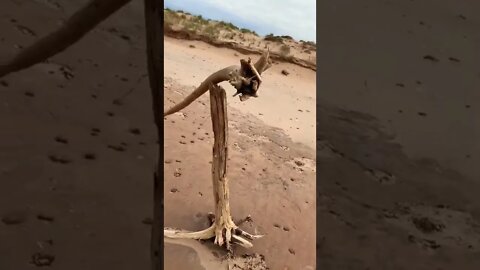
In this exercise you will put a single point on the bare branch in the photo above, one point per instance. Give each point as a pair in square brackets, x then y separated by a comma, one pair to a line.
[245, 78]
[79, 24]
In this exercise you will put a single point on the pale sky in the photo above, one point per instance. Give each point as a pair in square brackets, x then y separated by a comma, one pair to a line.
[295, 18]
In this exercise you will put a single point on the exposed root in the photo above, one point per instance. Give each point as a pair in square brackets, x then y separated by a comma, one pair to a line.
[224, 235]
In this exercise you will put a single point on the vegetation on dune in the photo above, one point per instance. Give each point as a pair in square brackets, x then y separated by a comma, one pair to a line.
[272, 37]
[185, 25]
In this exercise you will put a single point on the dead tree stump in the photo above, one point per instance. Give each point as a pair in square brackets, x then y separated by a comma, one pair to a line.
[223, 229]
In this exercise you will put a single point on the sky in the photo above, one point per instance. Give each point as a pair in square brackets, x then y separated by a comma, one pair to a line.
[295, 18]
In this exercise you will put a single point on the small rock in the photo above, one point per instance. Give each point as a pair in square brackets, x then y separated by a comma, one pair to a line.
[291, 250]
[284, 72]
[173, 190]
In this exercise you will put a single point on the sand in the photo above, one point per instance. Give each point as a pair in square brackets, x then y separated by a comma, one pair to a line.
[401, 191]
[78, 150]
[396, 153]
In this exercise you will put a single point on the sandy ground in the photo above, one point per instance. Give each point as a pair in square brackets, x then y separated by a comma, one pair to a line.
[78, 151]
[287, 102]
[401, 190]
[77, 145]
[272, 179]
[272, 162]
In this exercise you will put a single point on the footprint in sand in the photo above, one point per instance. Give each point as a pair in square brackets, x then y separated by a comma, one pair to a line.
[429, 244]
[90, 156]
[42, 259]
[59, 159]
[117, 148]
[381, 177]
[94, 131]
[61, 139]
[26, 31]
[46, 218]
[14, 218]
[135, 131]
[430, 58]
[52, 68]
[117, 102]
[453, 59]
[29, 94]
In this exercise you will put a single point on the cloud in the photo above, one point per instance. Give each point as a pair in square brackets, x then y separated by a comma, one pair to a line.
[296, 18]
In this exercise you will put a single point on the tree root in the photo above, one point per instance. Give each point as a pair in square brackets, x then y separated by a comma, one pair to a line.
[224, 235]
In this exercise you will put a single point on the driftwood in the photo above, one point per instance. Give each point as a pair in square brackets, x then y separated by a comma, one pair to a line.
[223, 228]
[245, 78]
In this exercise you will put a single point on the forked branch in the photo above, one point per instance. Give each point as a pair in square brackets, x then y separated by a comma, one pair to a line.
[246, 78]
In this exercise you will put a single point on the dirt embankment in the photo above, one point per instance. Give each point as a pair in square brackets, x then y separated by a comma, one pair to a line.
[226, 35]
